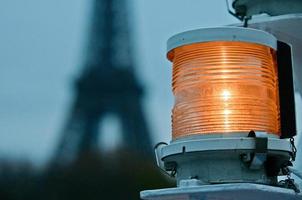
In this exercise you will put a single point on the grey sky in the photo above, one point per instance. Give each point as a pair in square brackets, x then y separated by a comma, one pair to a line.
[42, 47]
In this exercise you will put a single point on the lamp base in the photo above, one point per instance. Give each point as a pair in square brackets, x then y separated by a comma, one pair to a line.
[225, 160]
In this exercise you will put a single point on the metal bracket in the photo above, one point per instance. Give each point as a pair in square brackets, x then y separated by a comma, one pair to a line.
[260, 154]
[233, 13]
[240, 16]
[167, 168]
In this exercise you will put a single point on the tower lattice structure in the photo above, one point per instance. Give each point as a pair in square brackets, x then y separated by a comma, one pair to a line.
[106, 85]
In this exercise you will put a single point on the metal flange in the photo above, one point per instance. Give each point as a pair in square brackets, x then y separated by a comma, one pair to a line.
[242, 191]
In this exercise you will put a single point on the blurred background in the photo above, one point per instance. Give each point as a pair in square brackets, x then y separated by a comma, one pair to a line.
[85, 93]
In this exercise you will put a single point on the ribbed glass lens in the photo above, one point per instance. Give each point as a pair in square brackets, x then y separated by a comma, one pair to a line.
[224, 87]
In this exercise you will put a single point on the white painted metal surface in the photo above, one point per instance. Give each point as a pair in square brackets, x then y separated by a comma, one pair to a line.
[222, 34]
[242, 191]
[218, 144]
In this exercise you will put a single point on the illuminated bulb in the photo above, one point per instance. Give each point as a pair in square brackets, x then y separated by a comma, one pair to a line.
[226, 95]
[226, 112]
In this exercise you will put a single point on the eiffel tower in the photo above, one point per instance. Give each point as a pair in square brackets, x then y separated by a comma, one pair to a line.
[107, 85]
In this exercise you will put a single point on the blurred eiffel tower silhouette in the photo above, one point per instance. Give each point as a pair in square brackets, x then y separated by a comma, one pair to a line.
[107, 85]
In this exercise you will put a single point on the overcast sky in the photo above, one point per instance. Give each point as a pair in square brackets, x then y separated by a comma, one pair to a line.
[42, 48]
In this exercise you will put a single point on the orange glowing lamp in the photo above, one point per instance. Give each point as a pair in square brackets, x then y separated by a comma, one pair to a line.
[232, 113]
[224, 84]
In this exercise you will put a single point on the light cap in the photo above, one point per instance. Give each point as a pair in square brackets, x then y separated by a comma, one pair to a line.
[222, 34]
